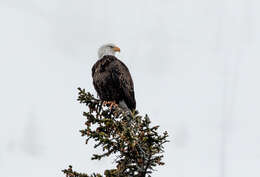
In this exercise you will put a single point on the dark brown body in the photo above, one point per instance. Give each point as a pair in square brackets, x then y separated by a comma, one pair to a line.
[113, 82]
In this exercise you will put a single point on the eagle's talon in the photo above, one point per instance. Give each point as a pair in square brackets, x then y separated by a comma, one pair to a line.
[110, 104]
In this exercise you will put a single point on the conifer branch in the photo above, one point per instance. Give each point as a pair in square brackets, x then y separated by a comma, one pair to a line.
[138, 146]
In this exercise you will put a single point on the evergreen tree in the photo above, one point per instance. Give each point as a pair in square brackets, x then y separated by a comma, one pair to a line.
[138, 146]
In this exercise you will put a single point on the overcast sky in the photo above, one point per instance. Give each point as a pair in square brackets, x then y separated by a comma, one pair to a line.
[195, 66]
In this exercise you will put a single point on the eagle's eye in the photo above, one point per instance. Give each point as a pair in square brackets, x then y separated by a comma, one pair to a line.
[111, 46]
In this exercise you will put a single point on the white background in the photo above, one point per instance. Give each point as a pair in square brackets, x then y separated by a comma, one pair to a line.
[195, 65]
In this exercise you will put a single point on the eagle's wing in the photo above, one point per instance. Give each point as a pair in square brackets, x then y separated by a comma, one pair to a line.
[123, 79]
[95, 81]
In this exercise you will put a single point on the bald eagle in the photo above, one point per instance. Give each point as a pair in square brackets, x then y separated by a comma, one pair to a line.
[112, 79]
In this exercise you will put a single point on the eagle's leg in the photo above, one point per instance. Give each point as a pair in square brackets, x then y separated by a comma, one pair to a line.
[111, 104]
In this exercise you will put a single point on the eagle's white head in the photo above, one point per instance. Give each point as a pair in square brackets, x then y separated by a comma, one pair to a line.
[107, 49]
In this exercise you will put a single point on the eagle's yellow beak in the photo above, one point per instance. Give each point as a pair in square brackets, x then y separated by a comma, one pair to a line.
[116, 49]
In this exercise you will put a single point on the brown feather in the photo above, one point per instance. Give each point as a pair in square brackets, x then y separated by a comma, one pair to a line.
[113, 82]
